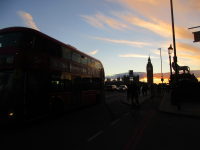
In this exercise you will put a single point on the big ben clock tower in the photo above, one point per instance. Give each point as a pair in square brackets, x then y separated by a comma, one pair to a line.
[149, 72]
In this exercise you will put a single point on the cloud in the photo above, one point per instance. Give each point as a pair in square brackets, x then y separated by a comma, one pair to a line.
[155, 25]
[155, 15]
[99, 21]
[188, 55]
[161, 8]
[93, 21]
[116, 24]
[184, 47]
[28, 20]
[135, 55]
[163, 52]
[137, 44]
[94, 52]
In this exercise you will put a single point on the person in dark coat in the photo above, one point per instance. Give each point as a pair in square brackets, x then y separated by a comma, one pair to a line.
[128, 90]
[134, 93]
[143, 89]
[152, 90]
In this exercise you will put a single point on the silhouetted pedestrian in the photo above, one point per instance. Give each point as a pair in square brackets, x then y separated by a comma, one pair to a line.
[152, 89]
[134, 93]
[143, 89]
[128, 90]
[138, 90]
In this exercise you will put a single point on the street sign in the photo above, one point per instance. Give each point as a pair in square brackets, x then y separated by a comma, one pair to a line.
[196, 36]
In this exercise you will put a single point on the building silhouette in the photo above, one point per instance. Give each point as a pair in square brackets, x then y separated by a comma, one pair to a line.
[123, 80]
[149, 69]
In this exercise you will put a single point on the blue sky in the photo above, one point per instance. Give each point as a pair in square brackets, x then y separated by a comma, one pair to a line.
[120, 33]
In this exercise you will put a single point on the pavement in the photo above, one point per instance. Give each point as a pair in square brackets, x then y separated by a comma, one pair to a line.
[191, 109]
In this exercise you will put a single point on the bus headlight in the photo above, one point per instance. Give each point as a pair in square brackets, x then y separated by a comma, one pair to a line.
[10, 113]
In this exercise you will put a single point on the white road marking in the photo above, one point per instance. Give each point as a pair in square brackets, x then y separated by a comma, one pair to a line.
[94, 136]
[114, 122]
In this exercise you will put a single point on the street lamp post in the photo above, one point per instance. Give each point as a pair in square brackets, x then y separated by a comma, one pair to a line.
[161, 65]
[175, 57]
[174, 42]
[170, 49]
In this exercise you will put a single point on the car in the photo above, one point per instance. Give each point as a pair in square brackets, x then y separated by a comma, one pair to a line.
[122, 88]
[111, 88]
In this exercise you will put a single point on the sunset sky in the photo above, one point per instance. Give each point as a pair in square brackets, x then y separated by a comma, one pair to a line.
[120, 33]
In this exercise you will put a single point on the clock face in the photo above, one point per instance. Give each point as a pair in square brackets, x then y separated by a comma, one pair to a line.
[149, 68]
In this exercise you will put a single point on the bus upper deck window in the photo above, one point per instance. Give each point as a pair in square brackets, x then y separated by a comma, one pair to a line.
[39, 43]
[9, 39]
[84, 60]
[27, 40]
[76, 57]
[66, 53]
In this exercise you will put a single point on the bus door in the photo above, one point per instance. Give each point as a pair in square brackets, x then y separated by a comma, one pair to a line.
[36, 94]
[76, 91]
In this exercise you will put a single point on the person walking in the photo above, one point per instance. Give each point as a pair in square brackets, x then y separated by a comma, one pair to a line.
[128, 90]
[134, 93]
[152, 89]
[143, 88]
[138, 90]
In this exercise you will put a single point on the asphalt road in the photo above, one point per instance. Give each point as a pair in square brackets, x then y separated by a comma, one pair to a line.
[109, 127]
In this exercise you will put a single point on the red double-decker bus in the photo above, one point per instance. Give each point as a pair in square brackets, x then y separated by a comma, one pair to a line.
[42, 76]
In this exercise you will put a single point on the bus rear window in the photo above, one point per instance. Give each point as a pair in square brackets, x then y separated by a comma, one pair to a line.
[9, 39]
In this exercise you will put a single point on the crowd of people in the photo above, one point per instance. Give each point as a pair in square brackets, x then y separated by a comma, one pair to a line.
[145, 89]
[135, 91]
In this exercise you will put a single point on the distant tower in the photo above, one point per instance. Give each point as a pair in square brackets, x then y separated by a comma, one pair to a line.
[149, 72]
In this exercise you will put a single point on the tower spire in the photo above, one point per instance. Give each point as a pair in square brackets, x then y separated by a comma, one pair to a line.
[149, 59]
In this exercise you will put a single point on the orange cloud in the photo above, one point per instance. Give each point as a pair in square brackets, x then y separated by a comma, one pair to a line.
[28, 20]
[111, 22]
[155, 25]
[158, 14]
[94, 52]
[161, 9]
[99, 20]
[138, 44]
[187, 54]
[187, 48]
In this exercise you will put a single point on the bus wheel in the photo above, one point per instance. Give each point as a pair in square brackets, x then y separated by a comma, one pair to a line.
[57, 108]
